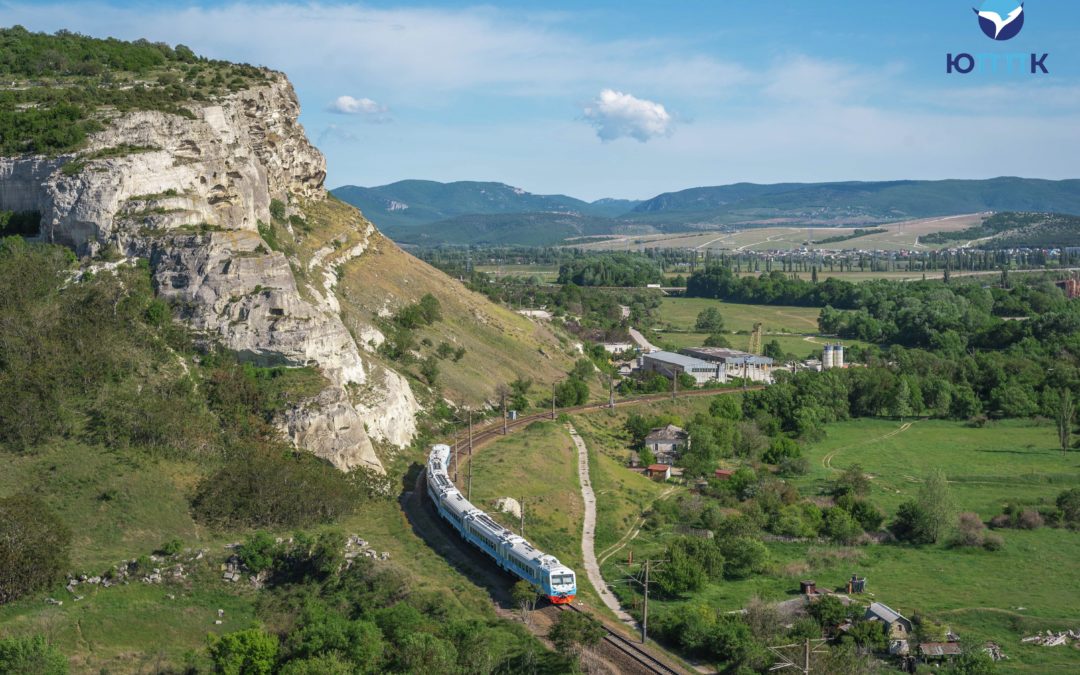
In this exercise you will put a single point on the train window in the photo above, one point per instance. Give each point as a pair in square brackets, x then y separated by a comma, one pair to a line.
[562, 579]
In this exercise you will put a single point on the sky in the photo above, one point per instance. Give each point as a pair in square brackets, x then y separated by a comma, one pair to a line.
[631, 99]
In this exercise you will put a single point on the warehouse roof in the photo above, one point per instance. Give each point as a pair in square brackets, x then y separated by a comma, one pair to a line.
[725, 355]
[678, 360]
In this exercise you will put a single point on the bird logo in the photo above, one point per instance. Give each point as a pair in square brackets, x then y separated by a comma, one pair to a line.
[1001, 19]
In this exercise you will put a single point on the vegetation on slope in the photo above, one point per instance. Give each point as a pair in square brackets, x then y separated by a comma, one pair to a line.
[66, 85]
[1017, 230]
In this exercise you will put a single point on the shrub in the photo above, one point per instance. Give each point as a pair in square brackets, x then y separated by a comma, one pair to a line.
[913, 524]
[1030, 519]
[171, 547]
[839, 526]
[780, 449]
[794, 466]
[274, 487]
[852, 481]
[34, 545]
[970, 530]
[246, 652]
[31, 655]
[1069, 503]
[993, 542]
[257, 553]
[277, 209]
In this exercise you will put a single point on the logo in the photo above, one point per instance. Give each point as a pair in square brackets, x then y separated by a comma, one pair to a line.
[1001, 19]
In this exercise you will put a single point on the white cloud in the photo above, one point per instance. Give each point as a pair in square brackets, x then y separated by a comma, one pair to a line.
[369, 110]
[618, 115]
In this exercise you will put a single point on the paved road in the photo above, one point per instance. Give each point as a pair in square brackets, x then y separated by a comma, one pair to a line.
[588, 532]
[638, 338]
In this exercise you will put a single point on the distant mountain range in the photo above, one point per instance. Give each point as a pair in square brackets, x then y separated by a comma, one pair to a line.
[432, 213]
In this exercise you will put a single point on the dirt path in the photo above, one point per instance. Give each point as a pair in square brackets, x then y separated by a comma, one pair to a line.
[826, 461]
[631, 533]
[588, 532]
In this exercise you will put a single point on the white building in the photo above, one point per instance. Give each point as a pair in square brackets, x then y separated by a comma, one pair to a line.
[734, 364]
[670, 364]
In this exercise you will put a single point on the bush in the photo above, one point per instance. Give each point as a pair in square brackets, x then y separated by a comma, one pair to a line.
[970, 531]
[709, 320]
[794, 466]
[1069, 504]
[1030, 519]
[171, 547]
[780, 449]
[32, 656]
[852, 481]
[246, 652]
[34, 545]
[839, 526]
[257, 553]
[273, 488]
[913, 524]
[993, 542]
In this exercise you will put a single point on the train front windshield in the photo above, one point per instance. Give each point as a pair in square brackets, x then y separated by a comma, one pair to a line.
[562, 580]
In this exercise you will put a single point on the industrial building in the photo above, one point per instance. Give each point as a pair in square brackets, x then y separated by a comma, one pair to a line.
[833, 357]
[734, 364]
[670, 364]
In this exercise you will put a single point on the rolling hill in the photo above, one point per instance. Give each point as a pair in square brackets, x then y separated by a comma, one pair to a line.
[411, 203]
[430, 213]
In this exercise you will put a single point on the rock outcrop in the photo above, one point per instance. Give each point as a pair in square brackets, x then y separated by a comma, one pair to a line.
[189, 195]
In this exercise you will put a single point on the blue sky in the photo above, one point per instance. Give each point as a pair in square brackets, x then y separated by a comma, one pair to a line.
[630, 99]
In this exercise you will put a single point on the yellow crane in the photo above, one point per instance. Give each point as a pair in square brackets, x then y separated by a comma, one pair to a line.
[755, 339]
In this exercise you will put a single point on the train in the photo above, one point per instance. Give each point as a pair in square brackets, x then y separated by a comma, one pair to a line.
[513, 553]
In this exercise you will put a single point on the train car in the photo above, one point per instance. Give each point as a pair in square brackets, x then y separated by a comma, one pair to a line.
[514, 554]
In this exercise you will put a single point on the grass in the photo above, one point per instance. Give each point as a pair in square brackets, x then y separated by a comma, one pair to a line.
[499, 345]
[681, 313]
[546, 273]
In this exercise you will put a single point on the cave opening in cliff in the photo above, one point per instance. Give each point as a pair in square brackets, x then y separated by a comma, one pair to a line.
[21, 223]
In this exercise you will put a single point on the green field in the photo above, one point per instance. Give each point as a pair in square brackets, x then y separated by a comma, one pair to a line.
[547, 273]
[681, 313]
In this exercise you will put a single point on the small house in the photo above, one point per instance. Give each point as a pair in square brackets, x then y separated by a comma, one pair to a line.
[659, 472]
[666, 443]
[897, 627]
[724, 474]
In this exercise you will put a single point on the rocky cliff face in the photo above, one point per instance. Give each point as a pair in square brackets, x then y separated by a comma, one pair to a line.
[189, 195]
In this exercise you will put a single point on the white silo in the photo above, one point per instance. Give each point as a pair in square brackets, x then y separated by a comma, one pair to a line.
[838, 356]
[827, 357]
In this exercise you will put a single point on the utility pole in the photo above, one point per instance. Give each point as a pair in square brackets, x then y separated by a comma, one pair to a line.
[522, 517]
[645, 606]
[552, 400]
[504, 414]
[469, 495]
[456, 462]
[611, 392]
[807, 650]
[674, 384]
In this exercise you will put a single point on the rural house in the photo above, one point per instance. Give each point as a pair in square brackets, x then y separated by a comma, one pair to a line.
[666, 443]
[659, 472]
[897, 627]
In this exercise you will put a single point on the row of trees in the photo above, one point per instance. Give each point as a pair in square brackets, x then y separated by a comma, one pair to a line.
[616, 269]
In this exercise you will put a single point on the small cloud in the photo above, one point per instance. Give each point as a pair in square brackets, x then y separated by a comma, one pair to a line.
[617, 115]
[333, 132]
[365, 108]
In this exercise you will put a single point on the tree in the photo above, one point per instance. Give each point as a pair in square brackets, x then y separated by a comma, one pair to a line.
[718, 340]
[1066, 412]
[853, 481]
[870, 634]
[781, 448]
[913, 524]
[839, 526]
[425, 653]
[31, 655]
[646, 456]
[34, 545]
[429, 368]
[245, 652]
[709, 320]
[936, 498]
[524, 595]
[573, 632]
[1069, 503]
[743, 556]
[829, 612]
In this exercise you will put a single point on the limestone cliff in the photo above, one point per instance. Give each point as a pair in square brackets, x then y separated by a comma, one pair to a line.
[189, 195]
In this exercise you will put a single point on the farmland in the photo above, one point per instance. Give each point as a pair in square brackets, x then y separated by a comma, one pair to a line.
[898, 236]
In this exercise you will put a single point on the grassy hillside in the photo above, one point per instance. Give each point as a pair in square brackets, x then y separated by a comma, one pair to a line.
[1017, 230]
[157, 457]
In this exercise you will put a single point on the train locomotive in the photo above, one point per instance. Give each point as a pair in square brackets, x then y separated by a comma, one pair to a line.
[512, 553]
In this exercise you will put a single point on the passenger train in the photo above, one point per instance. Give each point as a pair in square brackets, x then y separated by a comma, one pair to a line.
[512, 553]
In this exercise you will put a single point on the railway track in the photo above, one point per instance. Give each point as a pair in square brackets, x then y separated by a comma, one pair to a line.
[645, 661]
[492, 430]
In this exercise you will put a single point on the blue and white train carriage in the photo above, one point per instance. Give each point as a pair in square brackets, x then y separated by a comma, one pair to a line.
[550, 577]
